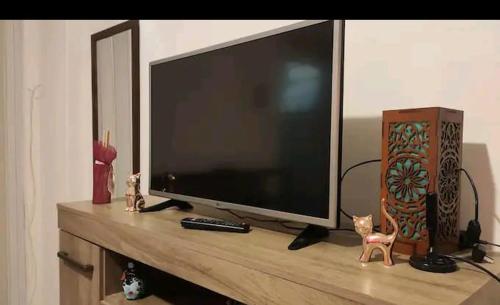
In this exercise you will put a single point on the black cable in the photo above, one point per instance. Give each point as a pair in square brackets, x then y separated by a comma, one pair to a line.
[283, 223]
[473, 264]
[250, 217]
[302, 228]
[356, 165]
[343, 229]
[345, 214]
[476, 206]
[476, 196]
[484, 242]
[342, 178]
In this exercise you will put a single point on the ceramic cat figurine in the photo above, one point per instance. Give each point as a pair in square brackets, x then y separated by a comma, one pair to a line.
[373, 240]
[135, 201]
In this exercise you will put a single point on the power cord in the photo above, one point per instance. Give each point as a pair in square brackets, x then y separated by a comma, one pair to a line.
[252, 218]
[476, 196]
[283, 223]
[471, 237]
[484, 242]
[356, 165]
[376, 227]
[342, 179]
[473, 264]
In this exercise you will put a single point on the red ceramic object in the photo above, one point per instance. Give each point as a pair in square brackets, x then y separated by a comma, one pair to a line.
[103, 172]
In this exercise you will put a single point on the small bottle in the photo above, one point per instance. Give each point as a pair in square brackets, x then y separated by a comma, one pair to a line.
[133, 286]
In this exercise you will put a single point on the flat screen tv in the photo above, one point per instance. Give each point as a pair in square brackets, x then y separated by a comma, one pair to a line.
[252, 124]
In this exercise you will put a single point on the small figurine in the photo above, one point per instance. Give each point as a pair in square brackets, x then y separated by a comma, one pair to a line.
[371, 241]
[133, 287]
[135, 201]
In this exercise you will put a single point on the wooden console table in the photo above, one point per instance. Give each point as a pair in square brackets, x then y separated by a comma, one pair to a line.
[254, 268]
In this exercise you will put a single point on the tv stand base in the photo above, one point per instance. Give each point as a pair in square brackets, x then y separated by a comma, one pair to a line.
[311, 235]
[181, 205]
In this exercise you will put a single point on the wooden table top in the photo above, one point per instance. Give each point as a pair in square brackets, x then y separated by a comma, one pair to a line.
[331, 267]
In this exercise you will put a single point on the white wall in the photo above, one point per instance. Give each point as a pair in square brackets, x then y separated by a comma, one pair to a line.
[388, 64]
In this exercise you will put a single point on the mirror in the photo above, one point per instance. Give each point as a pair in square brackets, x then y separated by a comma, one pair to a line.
[115, 96]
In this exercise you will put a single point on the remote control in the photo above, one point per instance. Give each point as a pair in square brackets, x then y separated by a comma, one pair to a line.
[214, 225]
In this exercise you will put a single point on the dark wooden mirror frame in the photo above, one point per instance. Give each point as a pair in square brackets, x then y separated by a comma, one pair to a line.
[133, 26]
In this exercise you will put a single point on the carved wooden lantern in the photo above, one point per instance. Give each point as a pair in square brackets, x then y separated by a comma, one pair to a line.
[422, 152]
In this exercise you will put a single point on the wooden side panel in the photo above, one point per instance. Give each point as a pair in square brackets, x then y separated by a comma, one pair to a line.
[112, 268]
[450, 133]
[78, 287]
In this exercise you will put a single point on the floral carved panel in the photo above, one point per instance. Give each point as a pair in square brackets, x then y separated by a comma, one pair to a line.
[407, 178]
[449, 180]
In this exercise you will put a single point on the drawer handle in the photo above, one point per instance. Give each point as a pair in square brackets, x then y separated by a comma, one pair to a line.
[65, 257]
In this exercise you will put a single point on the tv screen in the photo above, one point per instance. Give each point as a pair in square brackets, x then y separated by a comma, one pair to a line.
[248, 125]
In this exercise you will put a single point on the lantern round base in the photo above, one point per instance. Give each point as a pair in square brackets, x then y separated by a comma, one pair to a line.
[433, 263]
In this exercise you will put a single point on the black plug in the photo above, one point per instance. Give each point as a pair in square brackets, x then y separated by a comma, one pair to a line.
[470, 237]
[478, 253]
